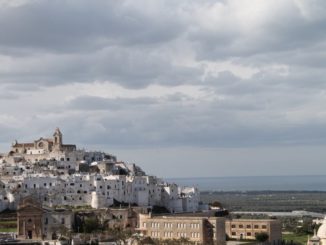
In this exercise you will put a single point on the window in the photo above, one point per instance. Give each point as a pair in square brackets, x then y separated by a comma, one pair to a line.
[248, 226]
[256, 226]
[240, 226]
[248, 233]
[264, 227]
[62, 221]
[46, 221]
[233, 233]
[232, 226]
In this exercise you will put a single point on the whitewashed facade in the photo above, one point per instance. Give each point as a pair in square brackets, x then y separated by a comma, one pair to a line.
[61, 175]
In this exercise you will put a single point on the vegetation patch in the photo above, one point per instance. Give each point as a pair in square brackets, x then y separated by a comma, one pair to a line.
[295, 238]
[8, 222]
[314, 201]
[8, 229]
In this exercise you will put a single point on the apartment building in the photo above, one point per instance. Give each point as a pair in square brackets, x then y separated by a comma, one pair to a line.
[246, 229]
[202, 228]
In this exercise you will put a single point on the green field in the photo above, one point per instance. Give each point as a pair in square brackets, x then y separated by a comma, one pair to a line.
[268, 200]
[298, 238]
[11, 222]
[8, 229]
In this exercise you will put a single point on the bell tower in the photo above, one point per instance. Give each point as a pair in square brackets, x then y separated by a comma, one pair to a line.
[57, 139]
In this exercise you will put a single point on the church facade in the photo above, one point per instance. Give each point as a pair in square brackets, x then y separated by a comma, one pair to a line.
[29, 219]
[35, 222]
[42, 145]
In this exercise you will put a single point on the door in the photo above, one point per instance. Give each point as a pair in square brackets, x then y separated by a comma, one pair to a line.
[29, 234]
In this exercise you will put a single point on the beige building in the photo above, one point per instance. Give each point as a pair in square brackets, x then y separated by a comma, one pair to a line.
[57, 223]
[123, 218]
[29, 219]
[248, 228]
[202, 228]
[37, 223]
[42, 146]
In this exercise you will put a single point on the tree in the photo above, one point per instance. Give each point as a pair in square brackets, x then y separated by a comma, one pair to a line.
[262, 237]
[121, 235]
[91, 224]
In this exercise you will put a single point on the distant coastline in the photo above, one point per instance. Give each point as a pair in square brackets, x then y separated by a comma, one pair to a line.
[255, 183]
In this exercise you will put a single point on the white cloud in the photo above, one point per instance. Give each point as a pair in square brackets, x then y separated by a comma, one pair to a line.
[166, 73]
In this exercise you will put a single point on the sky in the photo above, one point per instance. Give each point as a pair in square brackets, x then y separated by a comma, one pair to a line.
[183, 88]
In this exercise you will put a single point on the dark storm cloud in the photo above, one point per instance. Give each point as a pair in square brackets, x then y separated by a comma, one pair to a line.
[140, 67]
[128, 66]
[59, 42]
[173, 124]
[84, 26]
[53, 45]
[97, 103]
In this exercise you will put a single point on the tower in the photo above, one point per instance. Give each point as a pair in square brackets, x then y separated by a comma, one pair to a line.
[57, 139]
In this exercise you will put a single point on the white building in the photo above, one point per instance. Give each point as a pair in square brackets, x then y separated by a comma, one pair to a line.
[60, 175]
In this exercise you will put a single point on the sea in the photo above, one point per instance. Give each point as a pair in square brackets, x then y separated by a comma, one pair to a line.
[255, 183]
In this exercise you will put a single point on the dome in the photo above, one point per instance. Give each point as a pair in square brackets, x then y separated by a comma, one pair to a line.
[322, 230]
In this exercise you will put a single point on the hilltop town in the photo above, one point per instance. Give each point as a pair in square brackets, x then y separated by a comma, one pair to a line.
[59, 174]
[57, 192]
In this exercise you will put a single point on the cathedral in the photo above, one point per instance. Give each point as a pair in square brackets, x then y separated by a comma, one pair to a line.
[42, 145]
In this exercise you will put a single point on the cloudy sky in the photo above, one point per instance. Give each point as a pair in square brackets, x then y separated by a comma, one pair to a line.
[183, 88]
